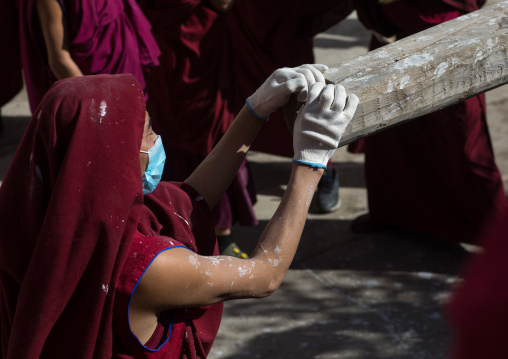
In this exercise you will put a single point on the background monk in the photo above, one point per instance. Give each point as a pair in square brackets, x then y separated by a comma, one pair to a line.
[478, 312]
[437, 174]
[214, 54]
[64, 38]
[10, 61]
[100, 259]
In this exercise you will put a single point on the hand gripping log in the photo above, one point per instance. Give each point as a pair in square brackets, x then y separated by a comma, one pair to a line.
[423, 73]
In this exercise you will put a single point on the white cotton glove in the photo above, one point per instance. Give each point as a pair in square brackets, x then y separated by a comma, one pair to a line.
[321, 122]
[275, 91]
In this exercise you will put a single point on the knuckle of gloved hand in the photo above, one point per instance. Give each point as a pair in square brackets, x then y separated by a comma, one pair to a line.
[280, 74]
[307, 73]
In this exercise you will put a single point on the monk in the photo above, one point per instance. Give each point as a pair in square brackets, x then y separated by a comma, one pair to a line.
[101, 259]
[437, 174]
[477, 312]
[214, 54]
[63, 38]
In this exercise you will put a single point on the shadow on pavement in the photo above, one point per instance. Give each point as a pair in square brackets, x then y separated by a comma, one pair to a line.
[371, 296]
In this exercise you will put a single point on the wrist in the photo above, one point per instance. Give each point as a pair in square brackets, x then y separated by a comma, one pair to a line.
[251, 109]
[314, 156]
[307, 175]
[315, 165]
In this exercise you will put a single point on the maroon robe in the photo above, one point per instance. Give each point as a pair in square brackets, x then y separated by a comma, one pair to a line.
[70, 205]
[478, 312]
[267, 35]
[211, 63]
[435, 174]
[105, 37]
[175, 216]
[10, 60]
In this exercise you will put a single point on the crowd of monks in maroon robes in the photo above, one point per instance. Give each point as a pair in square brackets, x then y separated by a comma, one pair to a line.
[435, 175]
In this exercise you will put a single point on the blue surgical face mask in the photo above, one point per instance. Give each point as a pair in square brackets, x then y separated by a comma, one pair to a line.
[153, 173]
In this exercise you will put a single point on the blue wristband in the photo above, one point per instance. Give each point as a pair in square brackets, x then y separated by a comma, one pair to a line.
[254, 112]
[312, 164]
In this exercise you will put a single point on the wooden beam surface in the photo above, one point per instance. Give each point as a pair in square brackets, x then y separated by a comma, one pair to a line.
[423, 73]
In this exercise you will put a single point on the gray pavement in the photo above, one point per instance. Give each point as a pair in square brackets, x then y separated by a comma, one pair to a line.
[347, 295]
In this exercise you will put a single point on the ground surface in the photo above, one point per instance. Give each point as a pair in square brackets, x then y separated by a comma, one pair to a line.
[347, 295]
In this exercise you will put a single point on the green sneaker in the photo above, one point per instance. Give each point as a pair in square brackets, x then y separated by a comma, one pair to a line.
[227, 247]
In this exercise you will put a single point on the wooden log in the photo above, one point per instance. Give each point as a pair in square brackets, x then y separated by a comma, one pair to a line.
[423, 73]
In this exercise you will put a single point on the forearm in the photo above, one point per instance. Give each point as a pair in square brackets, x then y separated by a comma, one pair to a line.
[279, 241]
[180, 278]
[214, 175]
[55, 32]
[63, 66]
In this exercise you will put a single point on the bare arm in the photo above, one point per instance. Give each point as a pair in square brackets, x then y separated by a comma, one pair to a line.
[205, 280]
[181, 278]
[215, 173]
[208, 280]
[55, 32]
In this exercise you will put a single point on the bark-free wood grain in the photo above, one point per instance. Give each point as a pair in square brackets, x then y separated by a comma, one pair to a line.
[423, 73]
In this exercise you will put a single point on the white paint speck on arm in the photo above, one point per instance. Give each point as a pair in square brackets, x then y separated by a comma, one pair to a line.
[193, 259]
[243, 271]
[310, 195]
[215, 261]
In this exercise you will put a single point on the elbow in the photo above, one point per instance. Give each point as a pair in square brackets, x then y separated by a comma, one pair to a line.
[272, 287]
[267, 288]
